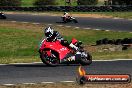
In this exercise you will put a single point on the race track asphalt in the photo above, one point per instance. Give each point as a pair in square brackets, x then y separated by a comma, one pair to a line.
[39, 72]
[94, 23]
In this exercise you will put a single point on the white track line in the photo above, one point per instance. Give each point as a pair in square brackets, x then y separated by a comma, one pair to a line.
[3, 64]
[120, 31]
[25, 22]
[27, 63]
[35, 23]
[13, 21]
[28, 83]
[67, 81]
[50, 24]
[60, 25]
[114, 60]
[8, 84]
[68, 26]
[107, 30]
[116, 18]
[86, 28]
[53, 15]
[47, 82]
[34, 14]
[22, 63]
[77, 27]
[97, 29]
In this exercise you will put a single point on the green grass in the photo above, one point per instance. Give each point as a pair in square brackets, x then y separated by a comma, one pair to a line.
[107, 55]
[90, 36]
[28, 3]
[62, 2]
[19, 42]
[15, 43]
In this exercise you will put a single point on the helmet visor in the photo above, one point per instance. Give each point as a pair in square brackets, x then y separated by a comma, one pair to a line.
[48, 34]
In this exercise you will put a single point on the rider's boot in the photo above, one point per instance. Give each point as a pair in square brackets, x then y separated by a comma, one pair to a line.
[69, 57]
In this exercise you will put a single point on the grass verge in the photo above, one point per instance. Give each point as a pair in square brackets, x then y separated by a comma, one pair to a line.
[29, 3]
[19, 42]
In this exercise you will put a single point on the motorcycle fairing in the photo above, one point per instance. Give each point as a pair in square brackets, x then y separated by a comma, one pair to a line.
[56, 46]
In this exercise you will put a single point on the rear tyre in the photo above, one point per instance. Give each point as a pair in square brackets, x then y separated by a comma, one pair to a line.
[49, 60]
[4, 17]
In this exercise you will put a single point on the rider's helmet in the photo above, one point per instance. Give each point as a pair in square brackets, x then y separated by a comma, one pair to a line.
[65, 13]
[48, 32]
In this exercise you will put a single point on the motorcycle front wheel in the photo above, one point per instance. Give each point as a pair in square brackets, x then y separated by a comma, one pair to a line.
[86, 58]
[75, 21]
[49, 60]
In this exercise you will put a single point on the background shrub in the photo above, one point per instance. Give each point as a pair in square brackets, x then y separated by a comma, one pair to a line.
[122, 2]
[87, 2]
[10, 2]
[44, 2]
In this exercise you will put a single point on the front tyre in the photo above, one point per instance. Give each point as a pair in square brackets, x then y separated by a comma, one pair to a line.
[86, 58]
[49, 60]
[75, 21]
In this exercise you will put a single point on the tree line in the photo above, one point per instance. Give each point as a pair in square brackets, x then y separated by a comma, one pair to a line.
[54, 2]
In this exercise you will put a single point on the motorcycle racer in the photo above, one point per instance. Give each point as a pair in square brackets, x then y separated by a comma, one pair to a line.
[66, 15]
[52, 36]
[54, 50]
[2, 16]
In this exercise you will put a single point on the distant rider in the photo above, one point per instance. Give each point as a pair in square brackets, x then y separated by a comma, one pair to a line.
[66, 15]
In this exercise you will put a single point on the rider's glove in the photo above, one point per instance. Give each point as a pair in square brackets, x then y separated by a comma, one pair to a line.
[73, 46]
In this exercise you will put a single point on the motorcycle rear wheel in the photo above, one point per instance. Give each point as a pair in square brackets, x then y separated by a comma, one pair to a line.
[2, 17]
[49, 60]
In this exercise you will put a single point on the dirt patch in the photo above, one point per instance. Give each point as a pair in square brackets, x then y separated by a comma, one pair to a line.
[103, 48]
[70, 85]
[92, 15]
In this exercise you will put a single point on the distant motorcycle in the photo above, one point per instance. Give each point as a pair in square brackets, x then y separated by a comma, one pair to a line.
[69, 19]
[2, 16]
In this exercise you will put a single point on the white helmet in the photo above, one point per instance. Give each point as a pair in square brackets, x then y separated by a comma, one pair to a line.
[48, 32]
[65, 13]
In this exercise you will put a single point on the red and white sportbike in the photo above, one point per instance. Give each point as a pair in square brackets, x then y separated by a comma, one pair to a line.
[54, 53]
